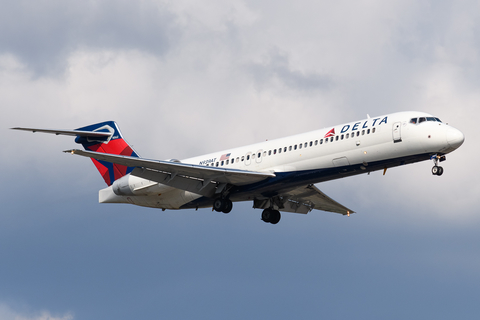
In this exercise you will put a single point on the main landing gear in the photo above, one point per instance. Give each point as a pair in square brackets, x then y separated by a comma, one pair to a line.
[222, 205]
[437, 170]
[271, 216]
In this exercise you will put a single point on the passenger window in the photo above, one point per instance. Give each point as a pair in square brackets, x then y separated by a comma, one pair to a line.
[274, 151]
[321, 141]
[221, 163]
[420, 120]
[248, 157]
[285, 149]
[306, 144]
[217, 164]
[290, 148]
[243, 158]
[331, 139]
[363, 132]
[264, 153]
[311, 143]
[269, 152]
[342, 136]
[295, 147]
[279, 150]
[259, 155]
[300, 146]
[316, 142]
[358, 133]
[373, 130]
[226, 162]
[253, 156]
[336, 138]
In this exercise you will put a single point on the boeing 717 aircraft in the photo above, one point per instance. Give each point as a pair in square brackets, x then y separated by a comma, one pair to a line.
[277, 175]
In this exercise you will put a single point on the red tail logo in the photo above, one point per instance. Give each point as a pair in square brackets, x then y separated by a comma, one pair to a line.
[330, 133]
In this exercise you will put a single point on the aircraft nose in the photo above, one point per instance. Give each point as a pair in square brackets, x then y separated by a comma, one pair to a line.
[455, 137]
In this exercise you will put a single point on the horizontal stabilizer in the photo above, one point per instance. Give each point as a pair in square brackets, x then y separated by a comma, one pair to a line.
[92, 134]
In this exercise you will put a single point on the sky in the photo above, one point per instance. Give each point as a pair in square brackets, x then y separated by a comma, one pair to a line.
[184, 78]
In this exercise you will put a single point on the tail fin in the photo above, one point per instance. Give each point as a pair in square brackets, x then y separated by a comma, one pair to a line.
[113, 144]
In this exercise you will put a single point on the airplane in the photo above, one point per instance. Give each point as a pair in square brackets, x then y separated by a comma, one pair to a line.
[276, 175]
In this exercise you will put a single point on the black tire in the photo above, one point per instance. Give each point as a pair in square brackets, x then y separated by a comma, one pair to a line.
[435, 170]
[228, 206]
[219, 204]
[266, 215]
[440, 171]
[275, 217]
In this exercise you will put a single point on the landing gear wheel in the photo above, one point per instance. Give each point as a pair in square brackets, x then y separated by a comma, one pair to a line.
[266, 215]
[437, 171]
[440, 171]
[275, 217]
[228, 206]
[222, 205]
[271, 216]
[219, 204]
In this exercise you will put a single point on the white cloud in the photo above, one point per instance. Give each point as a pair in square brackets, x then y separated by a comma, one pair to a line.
[7, 313]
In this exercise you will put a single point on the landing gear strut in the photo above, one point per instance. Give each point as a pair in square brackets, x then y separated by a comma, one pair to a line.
[271, 216]
[437, 170]
[222, 205]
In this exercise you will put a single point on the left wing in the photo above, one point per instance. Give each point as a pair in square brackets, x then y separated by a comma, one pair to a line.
[304, 200]
[184, 176]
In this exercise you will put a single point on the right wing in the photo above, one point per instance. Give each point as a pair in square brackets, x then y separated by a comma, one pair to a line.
[304, 200]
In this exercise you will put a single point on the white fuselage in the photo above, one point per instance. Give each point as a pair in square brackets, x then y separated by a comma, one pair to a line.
[321, 155]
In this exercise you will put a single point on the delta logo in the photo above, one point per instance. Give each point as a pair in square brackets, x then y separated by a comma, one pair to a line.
[330, 133]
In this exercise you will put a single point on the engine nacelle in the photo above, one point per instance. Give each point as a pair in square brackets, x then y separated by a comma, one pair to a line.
[121, 187]
[135, 186]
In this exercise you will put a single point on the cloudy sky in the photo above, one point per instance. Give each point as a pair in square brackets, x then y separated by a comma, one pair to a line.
[183, 78]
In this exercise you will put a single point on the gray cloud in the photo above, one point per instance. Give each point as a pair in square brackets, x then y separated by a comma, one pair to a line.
[43, 33]
[277, 69]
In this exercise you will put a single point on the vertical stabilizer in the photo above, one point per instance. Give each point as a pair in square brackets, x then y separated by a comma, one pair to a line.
[113, 144]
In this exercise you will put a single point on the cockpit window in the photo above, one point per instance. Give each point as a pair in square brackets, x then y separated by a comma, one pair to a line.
[423, 119]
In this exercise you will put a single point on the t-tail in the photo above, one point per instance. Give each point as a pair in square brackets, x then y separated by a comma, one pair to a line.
[104, 137]
[112, 144]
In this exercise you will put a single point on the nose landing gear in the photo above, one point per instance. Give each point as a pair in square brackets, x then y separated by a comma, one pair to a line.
[437, 170]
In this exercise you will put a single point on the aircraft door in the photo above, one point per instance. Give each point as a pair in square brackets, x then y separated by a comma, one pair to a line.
[397, 132]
